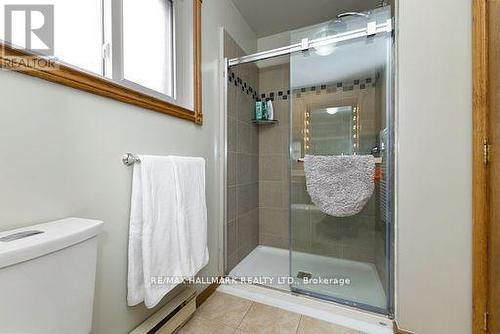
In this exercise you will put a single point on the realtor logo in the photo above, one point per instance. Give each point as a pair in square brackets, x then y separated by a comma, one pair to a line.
[30, 28]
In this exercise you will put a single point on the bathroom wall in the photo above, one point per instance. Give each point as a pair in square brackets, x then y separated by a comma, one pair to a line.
[434, 197]
[62, 149]
[273, 159]
[242, 223]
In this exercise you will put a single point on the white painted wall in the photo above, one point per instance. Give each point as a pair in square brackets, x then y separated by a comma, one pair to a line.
[62, 150]
[435, 159]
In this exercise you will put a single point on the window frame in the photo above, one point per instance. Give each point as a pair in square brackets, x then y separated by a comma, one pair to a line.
[71, 76]
[114, 60]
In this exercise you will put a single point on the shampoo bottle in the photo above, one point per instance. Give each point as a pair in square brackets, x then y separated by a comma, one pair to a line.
[270, 110]
[258, 110]
[264, 110]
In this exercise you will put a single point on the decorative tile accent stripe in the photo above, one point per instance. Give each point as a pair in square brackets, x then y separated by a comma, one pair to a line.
[322, 89]
[272, 96]
[318, 90]
[245, 87]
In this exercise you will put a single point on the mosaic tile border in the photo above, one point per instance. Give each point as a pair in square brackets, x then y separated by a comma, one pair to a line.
[284, 95]
[245, 87]
[322, 89]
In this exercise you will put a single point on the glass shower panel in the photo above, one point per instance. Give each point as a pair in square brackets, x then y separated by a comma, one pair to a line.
[340, 105]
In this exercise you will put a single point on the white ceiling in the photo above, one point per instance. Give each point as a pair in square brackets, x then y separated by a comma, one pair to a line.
[268, 17]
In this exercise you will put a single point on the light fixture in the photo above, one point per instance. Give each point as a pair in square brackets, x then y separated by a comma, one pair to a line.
[332, 111]
[327, 48]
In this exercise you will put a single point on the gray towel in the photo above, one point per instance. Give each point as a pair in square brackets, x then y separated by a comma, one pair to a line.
[340, 185]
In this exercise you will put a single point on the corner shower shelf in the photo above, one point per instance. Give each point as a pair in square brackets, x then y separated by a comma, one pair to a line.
[265, 121]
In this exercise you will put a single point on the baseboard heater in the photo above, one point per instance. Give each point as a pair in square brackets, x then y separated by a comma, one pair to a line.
[171, 316]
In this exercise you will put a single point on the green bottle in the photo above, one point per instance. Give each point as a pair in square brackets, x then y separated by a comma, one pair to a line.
[258, 110]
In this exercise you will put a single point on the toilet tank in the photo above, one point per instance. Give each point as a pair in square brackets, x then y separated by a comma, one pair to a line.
[47, 277]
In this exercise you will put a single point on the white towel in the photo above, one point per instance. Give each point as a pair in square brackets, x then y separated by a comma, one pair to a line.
[167, 205]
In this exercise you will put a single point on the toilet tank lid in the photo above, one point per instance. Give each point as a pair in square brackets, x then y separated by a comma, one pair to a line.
[30, 242]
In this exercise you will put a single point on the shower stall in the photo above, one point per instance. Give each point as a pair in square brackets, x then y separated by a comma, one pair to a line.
[332, 93]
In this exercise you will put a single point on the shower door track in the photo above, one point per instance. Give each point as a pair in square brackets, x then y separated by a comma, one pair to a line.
[371, 29]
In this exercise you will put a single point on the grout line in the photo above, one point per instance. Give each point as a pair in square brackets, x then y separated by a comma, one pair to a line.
[246, 312]
[298, 325]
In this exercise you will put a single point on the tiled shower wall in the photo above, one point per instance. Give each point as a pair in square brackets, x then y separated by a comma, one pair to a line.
[274, 83]
[242, 224]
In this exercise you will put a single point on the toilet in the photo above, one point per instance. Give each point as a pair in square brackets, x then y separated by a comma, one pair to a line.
[47, 277]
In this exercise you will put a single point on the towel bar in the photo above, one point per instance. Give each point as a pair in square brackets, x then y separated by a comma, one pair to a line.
[129, 159]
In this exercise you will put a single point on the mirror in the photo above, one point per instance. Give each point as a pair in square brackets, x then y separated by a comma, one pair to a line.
[332, 131]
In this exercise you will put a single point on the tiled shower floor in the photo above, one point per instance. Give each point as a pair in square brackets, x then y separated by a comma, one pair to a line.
[365, 286]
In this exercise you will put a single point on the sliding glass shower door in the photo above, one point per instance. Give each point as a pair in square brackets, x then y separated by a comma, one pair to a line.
[341, 105]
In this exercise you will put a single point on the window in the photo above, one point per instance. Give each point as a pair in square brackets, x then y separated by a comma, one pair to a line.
[77, 32]
[139, 45]
[147, 48]
[150, 66]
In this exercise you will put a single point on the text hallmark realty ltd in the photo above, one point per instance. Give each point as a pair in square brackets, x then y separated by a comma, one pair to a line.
[263, 280]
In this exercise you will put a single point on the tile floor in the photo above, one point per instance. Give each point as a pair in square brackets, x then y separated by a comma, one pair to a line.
[226, 314]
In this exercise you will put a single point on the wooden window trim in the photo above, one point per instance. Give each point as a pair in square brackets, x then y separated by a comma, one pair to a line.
[75, 78]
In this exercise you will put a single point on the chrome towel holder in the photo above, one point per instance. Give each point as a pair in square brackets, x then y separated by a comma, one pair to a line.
[129, 159]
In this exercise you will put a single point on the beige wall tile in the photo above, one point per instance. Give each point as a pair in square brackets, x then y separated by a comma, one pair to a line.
[232, 138]
[231, 168]
[271, 168]
[274, 221]
[246, 228]
[246, 195]
[271, 194]
[271, 141]
[274, 241]
[232, 204]
[232, 238]
[243, 137]
[244, 168]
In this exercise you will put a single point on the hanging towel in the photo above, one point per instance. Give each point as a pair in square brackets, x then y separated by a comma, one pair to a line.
[340, 186]
[192, 208]
[162, 252]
